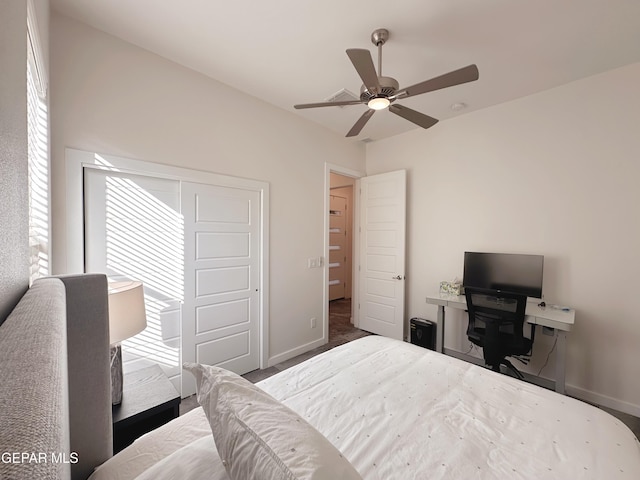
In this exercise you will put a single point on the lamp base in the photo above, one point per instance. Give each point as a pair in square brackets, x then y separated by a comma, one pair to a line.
[115, 353]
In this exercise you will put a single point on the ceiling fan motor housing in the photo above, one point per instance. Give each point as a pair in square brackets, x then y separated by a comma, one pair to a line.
[389, 86]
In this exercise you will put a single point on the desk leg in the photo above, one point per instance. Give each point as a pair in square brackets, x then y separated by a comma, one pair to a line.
[440, 330]
[561, 361]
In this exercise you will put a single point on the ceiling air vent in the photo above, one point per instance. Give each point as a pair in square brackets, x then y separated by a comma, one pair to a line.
[343, 95]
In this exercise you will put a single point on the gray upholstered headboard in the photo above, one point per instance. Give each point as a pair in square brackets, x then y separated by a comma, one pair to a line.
[55, 402]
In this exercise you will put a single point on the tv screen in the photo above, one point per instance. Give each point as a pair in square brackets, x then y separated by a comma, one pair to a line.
[507, 272]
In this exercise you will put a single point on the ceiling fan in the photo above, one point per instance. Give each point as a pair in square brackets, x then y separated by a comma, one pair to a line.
[380, 92]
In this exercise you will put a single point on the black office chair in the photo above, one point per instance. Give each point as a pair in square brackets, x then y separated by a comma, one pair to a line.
[496, 324]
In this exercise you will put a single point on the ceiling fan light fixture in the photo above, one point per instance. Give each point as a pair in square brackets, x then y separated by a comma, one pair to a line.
[378, 103]
[379, 92]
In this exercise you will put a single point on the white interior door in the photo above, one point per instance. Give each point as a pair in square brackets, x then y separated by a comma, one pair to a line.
[382, 253]
[220, 313]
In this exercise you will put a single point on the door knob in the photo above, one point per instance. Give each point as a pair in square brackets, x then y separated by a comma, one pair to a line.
[397, 277]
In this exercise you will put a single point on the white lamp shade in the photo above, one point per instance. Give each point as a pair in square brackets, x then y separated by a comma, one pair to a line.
[127, 315]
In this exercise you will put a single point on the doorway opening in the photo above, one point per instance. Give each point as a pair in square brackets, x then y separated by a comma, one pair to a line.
[340, 264]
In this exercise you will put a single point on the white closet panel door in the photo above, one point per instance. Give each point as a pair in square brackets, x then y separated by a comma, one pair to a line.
[382, 253]
[222, 255]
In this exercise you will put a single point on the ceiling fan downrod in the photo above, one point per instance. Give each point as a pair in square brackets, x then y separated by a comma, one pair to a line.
[379, 38]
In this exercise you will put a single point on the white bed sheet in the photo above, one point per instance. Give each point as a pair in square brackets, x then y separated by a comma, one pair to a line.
[398, 411]
[182, 437]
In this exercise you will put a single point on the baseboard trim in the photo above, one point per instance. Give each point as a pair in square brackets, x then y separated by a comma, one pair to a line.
[603, 400]
[294, 352]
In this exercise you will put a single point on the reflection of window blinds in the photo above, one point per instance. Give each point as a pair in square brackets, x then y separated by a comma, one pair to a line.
[334, 282]
[334, 265]
[334, 247]
[138, 217]
[37, 152]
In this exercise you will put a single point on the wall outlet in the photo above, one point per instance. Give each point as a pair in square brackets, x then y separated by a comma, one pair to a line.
[313, 322]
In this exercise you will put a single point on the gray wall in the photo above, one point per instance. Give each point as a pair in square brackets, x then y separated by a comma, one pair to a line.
[14, 229]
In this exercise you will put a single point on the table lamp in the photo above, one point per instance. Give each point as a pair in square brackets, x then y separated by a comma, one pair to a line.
[127, 317]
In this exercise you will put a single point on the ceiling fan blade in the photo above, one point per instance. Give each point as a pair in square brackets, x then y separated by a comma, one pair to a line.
[420, 119]
[355, 130]
[457, 77]
[363, 64]
[328, 104]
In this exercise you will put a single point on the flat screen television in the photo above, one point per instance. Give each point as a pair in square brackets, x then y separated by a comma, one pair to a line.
[506, 272]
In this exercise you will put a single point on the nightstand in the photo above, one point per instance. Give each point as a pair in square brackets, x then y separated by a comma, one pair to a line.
[149, 400]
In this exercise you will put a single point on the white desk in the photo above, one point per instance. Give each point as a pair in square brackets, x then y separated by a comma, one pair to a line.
[560, 320]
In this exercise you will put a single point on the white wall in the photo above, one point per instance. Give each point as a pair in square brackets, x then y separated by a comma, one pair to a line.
[111, 97]
[554, 173]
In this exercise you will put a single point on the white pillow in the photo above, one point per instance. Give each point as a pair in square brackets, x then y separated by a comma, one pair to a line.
[258, 437]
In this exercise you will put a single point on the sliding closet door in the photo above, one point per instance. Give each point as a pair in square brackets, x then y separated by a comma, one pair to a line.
[197, 248]
[221, 317]
[133, 231]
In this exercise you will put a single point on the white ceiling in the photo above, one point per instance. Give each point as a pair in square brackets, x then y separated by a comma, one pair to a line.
[293, 51]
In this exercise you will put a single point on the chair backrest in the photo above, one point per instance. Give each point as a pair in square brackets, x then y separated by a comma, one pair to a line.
[496, 323]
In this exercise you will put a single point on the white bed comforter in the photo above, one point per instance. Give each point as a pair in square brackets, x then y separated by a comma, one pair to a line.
[398, 411]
